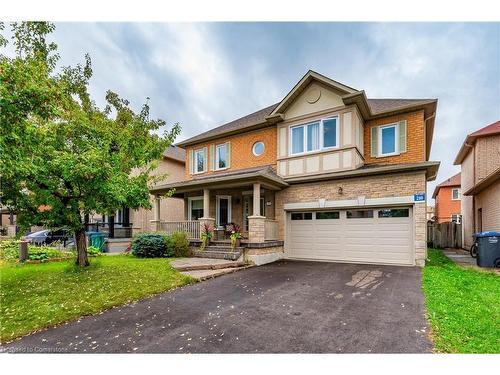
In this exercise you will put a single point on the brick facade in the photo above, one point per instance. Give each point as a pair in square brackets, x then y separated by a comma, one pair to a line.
[390, 185]
[242, 156]
[415, 139]
[445, 206]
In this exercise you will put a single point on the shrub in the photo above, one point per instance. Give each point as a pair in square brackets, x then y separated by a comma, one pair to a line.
[9, 250]
[181, 244]
[93, 251]
[152, 245]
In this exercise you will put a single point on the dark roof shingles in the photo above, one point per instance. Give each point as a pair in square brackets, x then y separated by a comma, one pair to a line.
[241, 123]
[176, 153]
[376, 106]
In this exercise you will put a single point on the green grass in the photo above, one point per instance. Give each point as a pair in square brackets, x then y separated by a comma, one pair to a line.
[35, 296]
[463, 306]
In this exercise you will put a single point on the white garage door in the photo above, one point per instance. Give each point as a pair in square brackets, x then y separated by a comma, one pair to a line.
[381, 235]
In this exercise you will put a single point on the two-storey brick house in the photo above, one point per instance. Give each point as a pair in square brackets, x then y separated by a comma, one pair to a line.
[479, 158]
[325, 174]
[447, 196]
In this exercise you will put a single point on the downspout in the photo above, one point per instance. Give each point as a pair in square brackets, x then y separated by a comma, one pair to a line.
[471, 146]
[473, 184]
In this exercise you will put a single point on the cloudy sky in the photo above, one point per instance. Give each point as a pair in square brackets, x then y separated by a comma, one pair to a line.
[203, 75]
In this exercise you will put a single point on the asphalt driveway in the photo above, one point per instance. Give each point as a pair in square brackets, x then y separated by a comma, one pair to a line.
[284, 307]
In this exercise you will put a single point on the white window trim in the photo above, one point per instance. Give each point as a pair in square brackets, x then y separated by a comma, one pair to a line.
[458, 194]
[459, 218]
[396, 140]
[217, 206]
[216, 166]
[195, 161]
[321, 141]
[190, 205]
[253, 148]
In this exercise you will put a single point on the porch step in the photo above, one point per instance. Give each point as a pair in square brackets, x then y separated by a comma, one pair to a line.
[226, 248]
[219, 252]
[199, 264]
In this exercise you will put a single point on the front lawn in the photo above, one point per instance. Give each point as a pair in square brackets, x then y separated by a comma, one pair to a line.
[463, 306]
[35, 296]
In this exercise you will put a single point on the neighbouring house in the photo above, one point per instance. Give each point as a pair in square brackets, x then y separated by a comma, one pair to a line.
[126, 222]
[447, 196]
[8, 222]
[326, 174]
[479, 158]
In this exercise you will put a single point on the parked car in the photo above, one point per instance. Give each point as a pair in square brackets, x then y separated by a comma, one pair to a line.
[47, 236]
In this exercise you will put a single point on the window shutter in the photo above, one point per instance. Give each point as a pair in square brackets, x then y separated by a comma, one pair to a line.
[402, 136]
[374, 141]
[228, 152]
[205, 161]
[212, 157]
[191, 161]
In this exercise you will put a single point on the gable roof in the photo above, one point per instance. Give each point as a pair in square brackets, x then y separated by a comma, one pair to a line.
[175, 153]
[452, 181]
[309, 77]
[369, 108]
[488, 130]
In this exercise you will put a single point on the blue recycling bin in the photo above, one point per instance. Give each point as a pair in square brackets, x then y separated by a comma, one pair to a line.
[488, 249]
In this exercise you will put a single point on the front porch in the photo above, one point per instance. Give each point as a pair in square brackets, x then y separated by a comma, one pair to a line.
[226, 201]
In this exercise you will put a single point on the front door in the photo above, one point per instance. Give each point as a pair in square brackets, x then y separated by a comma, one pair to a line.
[223, 213]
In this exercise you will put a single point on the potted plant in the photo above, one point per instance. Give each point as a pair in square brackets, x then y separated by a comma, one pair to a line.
[235, 236]
[206, 235]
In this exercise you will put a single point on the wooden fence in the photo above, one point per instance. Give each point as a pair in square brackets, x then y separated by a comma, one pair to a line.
[444, 235]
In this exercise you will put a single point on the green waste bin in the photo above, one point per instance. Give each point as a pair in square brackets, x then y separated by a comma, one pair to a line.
[97, 240]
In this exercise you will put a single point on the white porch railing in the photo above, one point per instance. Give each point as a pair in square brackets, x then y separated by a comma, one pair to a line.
[192, 228]
[271, 231]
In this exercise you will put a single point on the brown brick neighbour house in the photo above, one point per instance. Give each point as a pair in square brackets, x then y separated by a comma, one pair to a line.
[126, 221]
[479, 158]
[448, 196]
[325, 174]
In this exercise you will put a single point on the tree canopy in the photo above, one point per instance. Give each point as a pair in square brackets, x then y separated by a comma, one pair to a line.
[60, 155]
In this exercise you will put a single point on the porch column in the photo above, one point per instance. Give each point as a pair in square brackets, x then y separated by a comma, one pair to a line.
[256, 223]
[206, 219]
[206, 203]
[256, 199]
[157, 221]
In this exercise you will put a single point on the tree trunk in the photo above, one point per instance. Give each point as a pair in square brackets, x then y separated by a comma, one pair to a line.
[81, 248]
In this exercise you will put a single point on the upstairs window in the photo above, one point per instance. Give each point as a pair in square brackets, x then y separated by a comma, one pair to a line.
[330, 133]
[455, 194]
[315, 136]
[221, 156]
[200, 160]
[388, 140]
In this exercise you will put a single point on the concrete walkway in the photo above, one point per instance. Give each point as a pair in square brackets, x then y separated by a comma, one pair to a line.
[460, 257]
[463, 259]
[206, 268]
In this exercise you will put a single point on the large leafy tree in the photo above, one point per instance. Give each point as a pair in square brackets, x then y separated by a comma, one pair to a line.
[62, 157]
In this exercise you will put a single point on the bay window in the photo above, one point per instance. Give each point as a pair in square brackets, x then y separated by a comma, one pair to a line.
[322, 134]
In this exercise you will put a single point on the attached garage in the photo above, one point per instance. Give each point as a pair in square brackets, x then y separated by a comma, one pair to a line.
[359, 235]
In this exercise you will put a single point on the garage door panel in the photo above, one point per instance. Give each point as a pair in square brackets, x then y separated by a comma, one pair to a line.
[361, 240]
